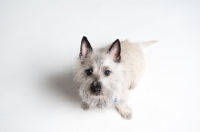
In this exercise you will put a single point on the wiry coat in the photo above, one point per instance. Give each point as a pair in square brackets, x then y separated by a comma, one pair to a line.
[124, 75]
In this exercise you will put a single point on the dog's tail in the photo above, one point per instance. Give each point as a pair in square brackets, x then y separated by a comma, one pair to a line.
[144, 45]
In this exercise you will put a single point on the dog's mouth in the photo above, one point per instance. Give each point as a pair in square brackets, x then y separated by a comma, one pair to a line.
[96, 94]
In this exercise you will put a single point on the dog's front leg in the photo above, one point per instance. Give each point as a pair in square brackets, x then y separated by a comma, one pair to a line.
[124, 110]
[85, 106]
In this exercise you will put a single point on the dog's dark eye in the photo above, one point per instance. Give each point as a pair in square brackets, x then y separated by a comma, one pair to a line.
[107, 72]
[89, 71]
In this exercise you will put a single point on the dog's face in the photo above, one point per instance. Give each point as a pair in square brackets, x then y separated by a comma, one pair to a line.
[98, 73]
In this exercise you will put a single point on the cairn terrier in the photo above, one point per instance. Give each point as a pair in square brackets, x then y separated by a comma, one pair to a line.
[105, 77]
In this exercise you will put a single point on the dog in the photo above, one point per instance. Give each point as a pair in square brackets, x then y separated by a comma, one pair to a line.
[104, 77]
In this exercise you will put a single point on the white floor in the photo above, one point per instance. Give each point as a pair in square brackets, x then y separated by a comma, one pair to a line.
[40, 41]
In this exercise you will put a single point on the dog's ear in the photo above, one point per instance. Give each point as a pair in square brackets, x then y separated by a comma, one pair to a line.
[115, 51]
[85, 48]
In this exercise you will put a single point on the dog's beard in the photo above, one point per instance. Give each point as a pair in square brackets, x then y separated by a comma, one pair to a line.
[105, 98]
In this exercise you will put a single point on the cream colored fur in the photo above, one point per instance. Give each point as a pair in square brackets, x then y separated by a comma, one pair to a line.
[124, 76]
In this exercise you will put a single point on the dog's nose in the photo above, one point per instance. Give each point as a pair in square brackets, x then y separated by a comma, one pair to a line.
[97, 90]
[96, 87]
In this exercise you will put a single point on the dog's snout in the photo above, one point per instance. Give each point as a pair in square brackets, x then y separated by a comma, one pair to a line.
[96, 87]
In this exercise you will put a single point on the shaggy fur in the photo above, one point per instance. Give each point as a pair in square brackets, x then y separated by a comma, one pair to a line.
[124, 60]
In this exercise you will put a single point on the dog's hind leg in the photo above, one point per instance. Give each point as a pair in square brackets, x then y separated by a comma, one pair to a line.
[132, 86]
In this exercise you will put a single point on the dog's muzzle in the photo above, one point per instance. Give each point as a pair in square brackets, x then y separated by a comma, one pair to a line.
[96, 88]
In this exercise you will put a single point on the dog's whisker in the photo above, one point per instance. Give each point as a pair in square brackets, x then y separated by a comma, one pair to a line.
[104, 77]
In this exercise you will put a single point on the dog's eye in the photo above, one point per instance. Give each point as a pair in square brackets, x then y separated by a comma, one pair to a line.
[107, 72]
[89, 71]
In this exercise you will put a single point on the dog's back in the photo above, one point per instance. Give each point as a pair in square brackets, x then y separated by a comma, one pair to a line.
[133, 59]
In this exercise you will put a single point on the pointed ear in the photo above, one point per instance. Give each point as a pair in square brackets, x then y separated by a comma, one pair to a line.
[115, 51]
[85, 48]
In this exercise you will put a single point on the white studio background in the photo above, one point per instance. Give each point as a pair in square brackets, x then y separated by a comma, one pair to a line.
[40, 42]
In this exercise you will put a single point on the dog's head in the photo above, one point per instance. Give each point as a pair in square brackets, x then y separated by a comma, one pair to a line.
[98, 73]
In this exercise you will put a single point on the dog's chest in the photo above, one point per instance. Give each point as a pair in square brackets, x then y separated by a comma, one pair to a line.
[105, 102]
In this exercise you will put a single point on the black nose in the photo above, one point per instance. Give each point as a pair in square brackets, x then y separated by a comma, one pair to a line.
[96, 87]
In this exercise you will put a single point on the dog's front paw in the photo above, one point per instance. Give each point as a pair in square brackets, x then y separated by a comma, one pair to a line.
[126, 112]
[126, 115]
[85, 106]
